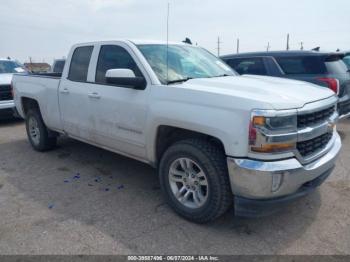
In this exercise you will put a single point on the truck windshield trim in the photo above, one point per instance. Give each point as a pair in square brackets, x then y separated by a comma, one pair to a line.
[184, 62]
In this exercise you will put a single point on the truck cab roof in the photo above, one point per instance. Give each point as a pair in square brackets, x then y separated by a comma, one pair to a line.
[133, 41]
[285, 54]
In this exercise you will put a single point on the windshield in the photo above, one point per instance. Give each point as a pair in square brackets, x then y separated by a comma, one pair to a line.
[9, 67]
[185, 62]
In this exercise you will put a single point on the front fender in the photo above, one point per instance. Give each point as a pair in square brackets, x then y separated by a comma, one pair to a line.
[230, 127]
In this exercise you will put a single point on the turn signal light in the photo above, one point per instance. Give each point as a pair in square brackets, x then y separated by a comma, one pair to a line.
[258, 120]
[271, 148]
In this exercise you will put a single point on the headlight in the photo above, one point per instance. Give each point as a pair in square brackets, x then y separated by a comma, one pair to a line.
[276, 123]
[271, 133]
[282, 122]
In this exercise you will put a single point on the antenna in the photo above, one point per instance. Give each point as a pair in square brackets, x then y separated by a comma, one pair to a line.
[167, 44]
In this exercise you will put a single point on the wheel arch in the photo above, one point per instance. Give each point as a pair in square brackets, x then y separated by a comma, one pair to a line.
[168, 135]
[29, 103]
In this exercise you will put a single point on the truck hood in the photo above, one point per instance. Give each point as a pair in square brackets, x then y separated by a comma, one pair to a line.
[5, 79]
[279, 93]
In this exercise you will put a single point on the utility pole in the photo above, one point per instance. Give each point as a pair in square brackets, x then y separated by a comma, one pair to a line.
[301, 45]
[287, 42]
[268, 47]
[237, 45]
[30, 64]
[218, 48]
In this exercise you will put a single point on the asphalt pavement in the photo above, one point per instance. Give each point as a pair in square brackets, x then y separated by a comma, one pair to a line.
[79, 199]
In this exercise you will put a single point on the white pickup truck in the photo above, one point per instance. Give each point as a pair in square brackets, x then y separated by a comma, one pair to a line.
[216, 138]
[8, 67]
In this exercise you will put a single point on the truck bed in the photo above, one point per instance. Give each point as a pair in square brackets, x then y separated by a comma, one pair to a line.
[52, 75]
[42, 88]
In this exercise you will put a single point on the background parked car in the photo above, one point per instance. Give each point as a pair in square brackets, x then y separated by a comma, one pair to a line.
[8, 67]
[346, 59]
[58, 65]
[326, 69]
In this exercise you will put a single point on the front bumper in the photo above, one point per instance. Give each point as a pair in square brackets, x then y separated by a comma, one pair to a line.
[245, 207]
[7, 109]
[256, 180]
[7, 104]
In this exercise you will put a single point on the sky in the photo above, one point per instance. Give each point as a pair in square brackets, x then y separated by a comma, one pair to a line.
[46, 29]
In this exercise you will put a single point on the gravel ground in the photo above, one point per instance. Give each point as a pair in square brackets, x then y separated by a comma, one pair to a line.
[79, 199]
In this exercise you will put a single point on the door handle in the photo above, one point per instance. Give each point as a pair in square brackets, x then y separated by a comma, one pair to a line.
[94, 95]
[64, 91]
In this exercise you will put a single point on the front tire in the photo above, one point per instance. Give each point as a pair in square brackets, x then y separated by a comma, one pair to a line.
[38, 133]
[194, 178]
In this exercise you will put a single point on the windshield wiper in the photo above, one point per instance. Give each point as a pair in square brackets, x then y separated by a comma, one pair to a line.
[222, 75]
[179, 80]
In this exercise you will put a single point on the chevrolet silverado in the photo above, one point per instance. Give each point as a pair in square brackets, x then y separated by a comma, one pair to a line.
[216, 138]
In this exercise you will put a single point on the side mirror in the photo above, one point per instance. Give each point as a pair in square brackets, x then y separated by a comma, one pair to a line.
[126, 78]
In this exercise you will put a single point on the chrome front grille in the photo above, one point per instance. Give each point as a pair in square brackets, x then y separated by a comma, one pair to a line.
[5, 92]
[315, 129]
[315, 118]
[311, 136]
[309, 147]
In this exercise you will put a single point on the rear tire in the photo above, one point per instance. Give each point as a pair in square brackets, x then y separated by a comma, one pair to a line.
[194, 178]
[37, 132]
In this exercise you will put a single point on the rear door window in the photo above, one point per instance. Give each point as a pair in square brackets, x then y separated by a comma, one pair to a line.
[251, 65]
[336, 67]
[79, 66]
[304, 65]
[347, 61]
[114, 57]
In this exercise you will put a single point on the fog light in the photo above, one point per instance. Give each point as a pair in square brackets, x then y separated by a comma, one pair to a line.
[277, 180]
